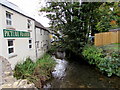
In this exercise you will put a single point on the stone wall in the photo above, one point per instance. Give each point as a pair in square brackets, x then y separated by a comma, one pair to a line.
[6, 77]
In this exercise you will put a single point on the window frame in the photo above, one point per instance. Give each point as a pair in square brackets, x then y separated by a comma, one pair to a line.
[30, 43]
[8, 18]
[11, 46]
[29, 24]
[41, 31]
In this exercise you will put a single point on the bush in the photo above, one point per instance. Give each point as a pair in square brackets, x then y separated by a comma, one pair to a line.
[37, 72]
[108, 63]
[52, 50]
[25, 69]
[92, 54]
[45, 64]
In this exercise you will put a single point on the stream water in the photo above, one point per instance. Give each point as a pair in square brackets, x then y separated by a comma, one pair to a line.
[79, 75]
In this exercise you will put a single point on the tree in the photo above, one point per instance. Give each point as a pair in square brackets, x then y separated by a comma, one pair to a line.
[74, 21]
[109, 16]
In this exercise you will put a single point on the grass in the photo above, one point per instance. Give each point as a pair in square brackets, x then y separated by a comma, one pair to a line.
[117, 43]
[112, 47]
[37, 72]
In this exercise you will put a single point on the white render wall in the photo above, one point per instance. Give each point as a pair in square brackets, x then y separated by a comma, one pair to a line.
[0, 30]
[21, 45]
[41, 45]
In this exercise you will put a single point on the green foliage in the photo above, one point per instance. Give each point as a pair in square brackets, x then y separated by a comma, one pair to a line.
[108, 19]
[72, 21]
[52, 49]
[35, 71]
[25, 69]
[46, 62]
[108, 63]
[92, 54]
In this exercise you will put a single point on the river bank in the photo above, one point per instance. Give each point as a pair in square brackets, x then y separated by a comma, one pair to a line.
[73, 74]
[7, 80]
[36, 72]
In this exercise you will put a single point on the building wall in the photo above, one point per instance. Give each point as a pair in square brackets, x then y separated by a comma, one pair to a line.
[42, 41]
[21, 45]
[0, 30]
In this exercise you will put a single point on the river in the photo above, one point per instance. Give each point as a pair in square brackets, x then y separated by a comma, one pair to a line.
[79, 75]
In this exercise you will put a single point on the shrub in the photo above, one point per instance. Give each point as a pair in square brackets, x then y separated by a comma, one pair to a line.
[36, 72]
[25, 69]
[108, 63]
[52, 49]
[92, 54]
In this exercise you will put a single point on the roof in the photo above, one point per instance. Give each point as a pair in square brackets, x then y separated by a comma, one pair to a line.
[39, 25]
[14, 7]
[114, 30]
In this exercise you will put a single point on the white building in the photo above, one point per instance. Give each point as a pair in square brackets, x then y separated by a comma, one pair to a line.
[20, 35]
[42, 39]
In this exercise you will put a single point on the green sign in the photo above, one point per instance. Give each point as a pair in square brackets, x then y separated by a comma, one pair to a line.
[15, 34]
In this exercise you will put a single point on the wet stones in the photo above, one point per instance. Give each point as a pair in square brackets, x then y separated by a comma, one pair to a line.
[60, 55]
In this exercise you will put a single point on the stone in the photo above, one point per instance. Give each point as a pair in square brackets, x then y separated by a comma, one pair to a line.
[15, 84]
[22, 83]
[81, 86]
[7, 73]
[6, 85]
[30, 85]
[9, 79]
[101, 79]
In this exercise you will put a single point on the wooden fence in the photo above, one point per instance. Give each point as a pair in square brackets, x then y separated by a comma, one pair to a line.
[107, 38]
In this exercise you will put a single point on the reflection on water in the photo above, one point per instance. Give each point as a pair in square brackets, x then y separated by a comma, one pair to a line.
[79, 75]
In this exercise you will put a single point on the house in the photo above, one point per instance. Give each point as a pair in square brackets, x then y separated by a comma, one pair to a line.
[42, 39]
[20, 34]
[115, 30]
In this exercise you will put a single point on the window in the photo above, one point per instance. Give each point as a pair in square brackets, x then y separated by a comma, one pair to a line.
[41, 31]
[29, 24]
[8, 19]
[30, 43]
[10, 46]
[44, 32]
[37, 44]
[41, 44]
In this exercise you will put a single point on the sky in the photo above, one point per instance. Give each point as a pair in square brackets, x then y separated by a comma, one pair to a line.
[32, 7]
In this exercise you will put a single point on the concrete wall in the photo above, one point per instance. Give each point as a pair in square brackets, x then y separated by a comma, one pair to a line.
[21, 45]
